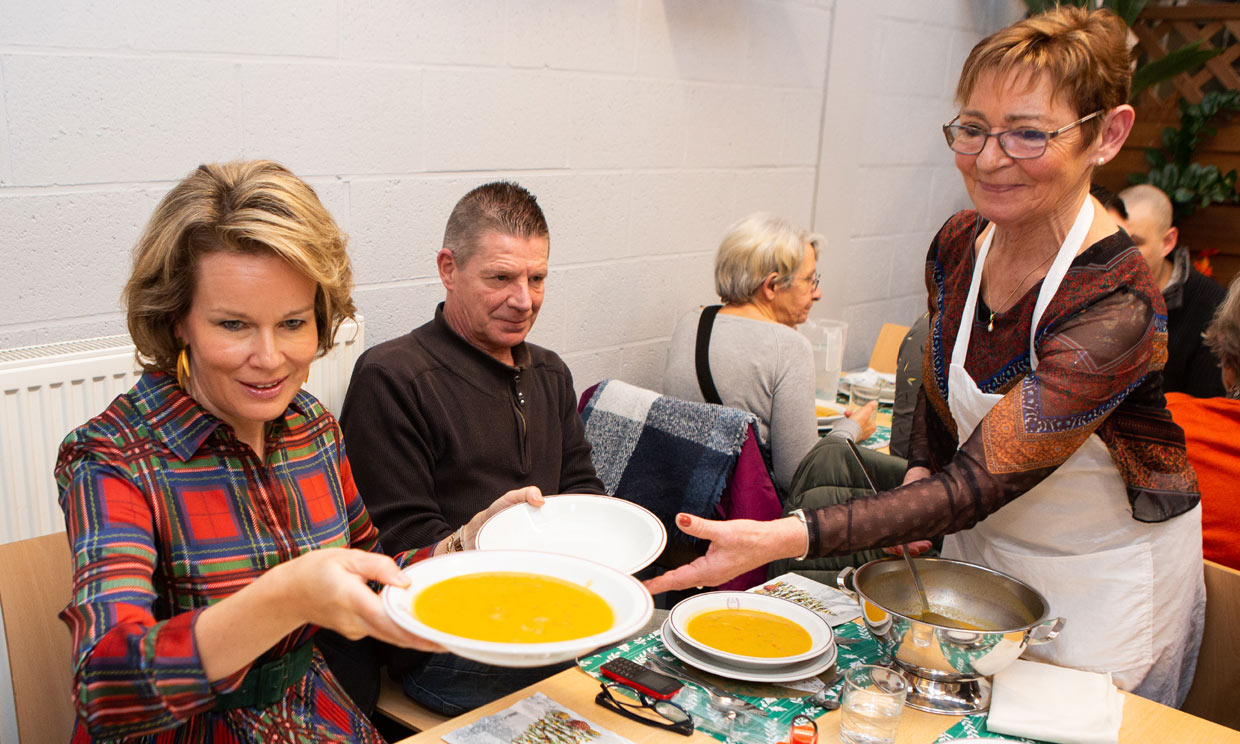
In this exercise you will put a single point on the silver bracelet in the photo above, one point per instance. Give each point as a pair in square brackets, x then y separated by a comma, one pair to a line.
[800, 514]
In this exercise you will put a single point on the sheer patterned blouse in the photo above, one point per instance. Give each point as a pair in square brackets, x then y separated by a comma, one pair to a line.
[1101, 346]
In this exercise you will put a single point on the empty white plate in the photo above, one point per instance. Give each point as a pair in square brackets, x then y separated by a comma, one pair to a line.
[773, 675]
[605, 529]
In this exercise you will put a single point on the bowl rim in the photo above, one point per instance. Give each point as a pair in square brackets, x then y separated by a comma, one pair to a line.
[621, 628]
[1047, 615]
[647, 516]
[677, 621]
[772, 675]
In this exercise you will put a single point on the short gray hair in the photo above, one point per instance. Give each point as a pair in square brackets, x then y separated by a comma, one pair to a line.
[754, 248]
[500, 206]
[1223, 333]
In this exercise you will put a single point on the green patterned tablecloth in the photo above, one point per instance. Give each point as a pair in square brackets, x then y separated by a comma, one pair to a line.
[781, 704]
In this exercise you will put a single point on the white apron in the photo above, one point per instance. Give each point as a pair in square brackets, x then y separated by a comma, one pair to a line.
[1131, 592]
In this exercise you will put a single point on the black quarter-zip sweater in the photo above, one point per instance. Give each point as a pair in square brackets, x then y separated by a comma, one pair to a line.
[436, 430]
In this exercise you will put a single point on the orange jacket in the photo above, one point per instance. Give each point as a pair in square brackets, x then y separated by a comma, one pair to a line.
[1212, 431]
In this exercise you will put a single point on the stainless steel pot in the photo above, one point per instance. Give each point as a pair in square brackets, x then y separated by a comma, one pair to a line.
[949, 667]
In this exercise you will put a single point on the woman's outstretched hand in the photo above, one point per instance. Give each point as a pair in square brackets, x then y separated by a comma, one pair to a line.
[736, 546]
[330, 588]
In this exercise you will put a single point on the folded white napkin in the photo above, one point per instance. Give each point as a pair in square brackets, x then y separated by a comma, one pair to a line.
[1052, 703]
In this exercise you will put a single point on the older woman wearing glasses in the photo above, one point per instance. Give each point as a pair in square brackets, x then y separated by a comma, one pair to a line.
[766, 273]
[1042, 445]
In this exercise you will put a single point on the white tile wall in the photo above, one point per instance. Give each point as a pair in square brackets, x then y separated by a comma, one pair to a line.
[645, 126]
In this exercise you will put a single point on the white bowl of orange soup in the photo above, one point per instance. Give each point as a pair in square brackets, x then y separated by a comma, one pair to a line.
[747, 629]
[518, 608]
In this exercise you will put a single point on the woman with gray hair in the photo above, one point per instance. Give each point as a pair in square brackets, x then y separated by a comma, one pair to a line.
[1211, 426]
[766, 274]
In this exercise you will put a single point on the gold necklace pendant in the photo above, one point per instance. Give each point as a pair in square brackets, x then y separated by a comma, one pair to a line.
[991, 325]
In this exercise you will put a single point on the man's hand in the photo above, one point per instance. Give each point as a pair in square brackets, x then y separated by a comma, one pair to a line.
[529, 495]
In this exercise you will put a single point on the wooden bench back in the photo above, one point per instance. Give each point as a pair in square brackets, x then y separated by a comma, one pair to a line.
[1213, 694]
[36, 577]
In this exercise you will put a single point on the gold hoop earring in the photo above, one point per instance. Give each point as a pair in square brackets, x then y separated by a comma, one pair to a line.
[183, 368]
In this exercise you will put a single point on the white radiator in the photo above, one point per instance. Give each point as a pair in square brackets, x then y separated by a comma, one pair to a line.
[47, 391]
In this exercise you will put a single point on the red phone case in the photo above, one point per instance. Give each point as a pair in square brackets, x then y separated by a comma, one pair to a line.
[636, 685]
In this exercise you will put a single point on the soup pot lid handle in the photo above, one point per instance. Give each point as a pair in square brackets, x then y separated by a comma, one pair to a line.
[842, 581]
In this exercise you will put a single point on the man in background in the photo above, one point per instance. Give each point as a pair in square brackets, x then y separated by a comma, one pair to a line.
[1191, 296]
[462, 410]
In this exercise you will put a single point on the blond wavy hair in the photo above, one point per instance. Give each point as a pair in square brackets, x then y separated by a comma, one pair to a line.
[243, 206]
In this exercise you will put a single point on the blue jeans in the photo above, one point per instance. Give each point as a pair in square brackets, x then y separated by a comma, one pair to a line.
[451, 685]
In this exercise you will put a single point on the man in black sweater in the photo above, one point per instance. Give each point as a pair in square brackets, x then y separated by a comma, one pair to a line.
[1191, 296]
[461, 410]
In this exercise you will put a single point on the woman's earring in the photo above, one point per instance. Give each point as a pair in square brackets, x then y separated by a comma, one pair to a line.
[1102, 161]
[183, 368]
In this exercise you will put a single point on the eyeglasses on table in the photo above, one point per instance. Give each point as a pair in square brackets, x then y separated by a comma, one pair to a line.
[644, 709]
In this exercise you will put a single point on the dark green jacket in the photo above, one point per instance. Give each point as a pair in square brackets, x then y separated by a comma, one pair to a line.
[828, 475]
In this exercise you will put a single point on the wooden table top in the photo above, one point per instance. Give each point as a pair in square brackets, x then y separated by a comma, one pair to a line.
[1144, 721]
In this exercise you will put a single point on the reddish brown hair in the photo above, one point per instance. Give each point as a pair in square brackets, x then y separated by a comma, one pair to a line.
[1083, 53]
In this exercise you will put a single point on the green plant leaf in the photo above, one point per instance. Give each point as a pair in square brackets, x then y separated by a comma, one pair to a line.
[1187, 57]
[1128, 9]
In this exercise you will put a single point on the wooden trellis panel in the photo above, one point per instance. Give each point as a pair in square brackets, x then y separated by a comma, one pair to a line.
[1162, 29]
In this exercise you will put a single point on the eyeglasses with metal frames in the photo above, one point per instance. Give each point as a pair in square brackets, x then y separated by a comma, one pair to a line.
[674, 718]
[1023, 143]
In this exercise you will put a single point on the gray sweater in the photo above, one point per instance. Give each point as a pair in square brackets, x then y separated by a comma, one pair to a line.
[762, 367]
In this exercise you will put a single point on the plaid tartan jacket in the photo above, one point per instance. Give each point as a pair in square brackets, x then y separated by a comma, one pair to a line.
[167, 513]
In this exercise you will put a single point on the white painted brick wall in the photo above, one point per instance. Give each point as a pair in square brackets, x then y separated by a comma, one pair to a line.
[645, 126]
[886, 181]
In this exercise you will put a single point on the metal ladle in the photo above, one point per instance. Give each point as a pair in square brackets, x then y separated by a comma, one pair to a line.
[921, 588]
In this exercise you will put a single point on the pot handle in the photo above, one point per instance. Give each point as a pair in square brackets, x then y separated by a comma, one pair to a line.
[842, 581]
[1047, 631]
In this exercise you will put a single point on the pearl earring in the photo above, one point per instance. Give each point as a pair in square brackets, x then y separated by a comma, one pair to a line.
[1102, 161]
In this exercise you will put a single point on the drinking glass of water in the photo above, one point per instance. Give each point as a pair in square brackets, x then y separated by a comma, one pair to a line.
[860, 394]
[872, 702]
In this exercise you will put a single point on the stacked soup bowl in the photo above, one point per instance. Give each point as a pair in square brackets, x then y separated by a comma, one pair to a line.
[749, 637]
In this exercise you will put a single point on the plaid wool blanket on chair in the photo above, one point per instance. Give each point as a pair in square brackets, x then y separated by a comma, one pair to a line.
[671, 455]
